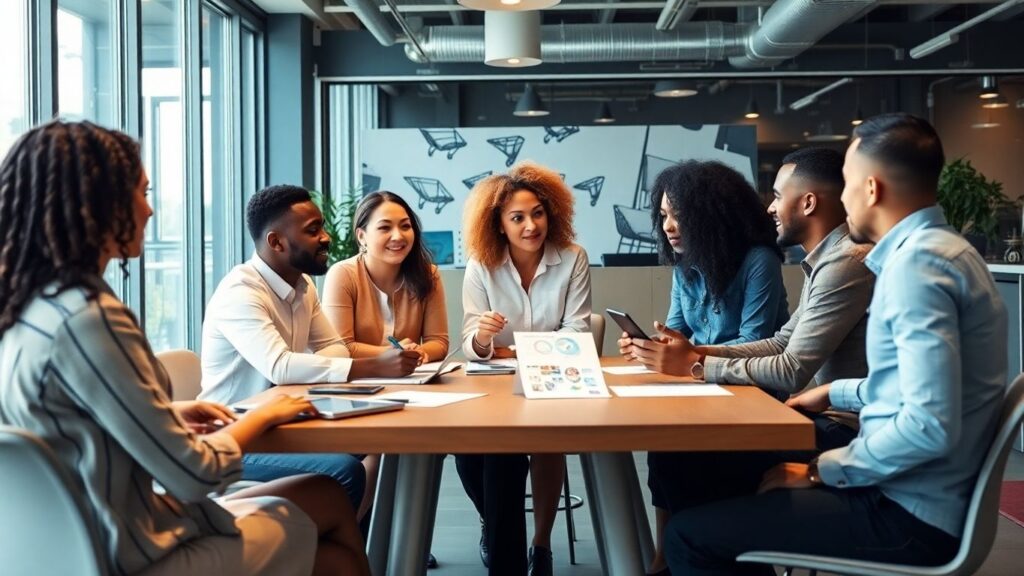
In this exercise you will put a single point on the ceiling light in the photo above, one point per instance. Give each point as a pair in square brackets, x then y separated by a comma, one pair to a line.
[985, 124]
[752, 112]
[604, 114]
[999, 101]
[512, 39]
[674, 89]
[530, 105]
[813, 96]
[508, 5]
[989, 88]
[858, 119]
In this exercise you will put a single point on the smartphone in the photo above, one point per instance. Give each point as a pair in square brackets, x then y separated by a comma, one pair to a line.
[346, 389]
[627, 324]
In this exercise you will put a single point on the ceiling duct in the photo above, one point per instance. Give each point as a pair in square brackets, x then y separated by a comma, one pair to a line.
[560, 43]
[376, 21]
[791, 26]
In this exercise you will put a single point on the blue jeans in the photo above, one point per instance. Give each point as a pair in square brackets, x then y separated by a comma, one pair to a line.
[346, 469]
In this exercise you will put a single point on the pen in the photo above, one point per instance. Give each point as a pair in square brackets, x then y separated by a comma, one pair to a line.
[399, 400]
[394, 342]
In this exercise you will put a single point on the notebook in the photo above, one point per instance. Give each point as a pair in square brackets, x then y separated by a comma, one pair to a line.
[417, 377]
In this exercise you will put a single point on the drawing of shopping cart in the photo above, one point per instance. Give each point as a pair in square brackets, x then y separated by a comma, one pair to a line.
[592, 186]
[635, 228]
[443, 139]
[559, 133]
[430, 190]
[509, 146]
[472, 180]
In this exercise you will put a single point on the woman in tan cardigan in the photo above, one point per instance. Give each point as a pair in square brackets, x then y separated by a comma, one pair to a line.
[390, 288]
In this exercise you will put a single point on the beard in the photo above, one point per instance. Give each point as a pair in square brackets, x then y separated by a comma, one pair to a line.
[308, 263]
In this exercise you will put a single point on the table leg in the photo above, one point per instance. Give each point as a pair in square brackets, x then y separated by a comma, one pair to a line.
[614, 476]
[416, 493]
[587, 466]
[383, 514]
[643, 526]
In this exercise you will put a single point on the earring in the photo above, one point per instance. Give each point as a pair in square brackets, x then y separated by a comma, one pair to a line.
[362, 248]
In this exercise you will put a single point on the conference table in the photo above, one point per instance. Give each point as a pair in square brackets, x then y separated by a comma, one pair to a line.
[604, 431]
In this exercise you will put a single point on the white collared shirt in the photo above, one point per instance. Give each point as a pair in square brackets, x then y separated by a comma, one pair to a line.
[558, 300]
[260, 332]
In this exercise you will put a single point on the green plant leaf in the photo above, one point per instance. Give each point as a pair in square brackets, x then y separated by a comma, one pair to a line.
[338, 217]
[969, 200]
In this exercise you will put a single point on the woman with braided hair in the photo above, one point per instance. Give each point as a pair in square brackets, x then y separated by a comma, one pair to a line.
[78, 372]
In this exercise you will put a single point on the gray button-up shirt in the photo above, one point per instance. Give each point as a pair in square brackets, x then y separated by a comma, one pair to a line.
[823, 340]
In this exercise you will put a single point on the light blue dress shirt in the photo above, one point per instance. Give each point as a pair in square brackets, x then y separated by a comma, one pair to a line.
[936, 374]
[753, 306]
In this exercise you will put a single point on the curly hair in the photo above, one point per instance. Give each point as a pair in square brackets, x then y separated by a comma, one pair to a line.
[482, 214]
[65, 189]
[720, 218]
[416, 270]
[267, 205]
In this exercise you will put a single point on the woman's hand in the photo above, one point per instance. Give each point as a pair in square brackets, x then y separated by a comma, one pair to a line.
[204, 417]
[414, 346]
[281, 409]
[488, 326]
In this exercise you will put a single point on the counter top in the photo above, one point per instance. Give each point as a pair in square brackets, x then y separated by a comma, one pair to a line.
[1006, 268]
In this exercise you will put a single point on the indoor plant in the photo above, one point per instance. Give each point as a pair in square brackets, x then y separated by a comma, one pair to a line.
[970, 202]
[338, 224]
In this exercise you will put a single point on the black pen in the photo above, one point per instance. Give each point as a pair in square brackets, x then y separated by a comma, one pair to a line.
[399, 400]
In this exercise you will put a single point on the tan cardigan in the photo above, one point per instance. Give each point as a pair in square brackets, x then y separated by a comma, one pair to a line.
[351, 304]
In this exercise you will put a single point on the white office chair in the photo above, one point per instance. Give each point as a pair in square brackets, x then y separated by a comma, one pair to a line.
[185, 371]
[44, 529]
[597, 329]
[979, 526]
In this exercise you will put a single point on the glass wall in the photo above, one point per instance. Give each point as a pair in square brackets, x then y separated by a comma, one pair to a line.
[14, 98]
[163, 146]
[86, 61]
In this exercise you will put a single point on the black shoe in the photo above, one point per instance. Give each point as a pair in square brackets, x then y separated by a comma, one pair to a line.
[431, 561]
[663, 572]
[540, 561]
[485, 554]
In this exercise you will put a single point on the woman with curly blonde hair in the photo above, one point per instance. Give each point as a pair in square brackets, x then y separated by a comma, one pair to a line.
[524, 274]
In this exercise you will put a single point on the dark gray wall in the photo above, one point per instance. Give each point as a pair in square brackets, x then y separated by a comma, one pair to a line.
[290, 128]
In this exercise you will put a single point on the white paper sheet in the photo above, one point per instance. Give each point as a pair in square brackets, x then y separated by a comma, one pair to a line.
[418, 399]
[627, 370]
[433, 366]
[666, 390]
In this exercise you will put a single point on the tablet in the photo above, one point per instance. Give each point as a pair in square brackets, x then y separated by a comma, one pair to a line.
[627, 324]
[338, 408]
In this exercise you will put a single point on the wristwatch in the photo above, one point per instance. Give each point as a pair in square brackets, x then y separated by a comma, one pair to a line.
[812, 472]
[697, 369]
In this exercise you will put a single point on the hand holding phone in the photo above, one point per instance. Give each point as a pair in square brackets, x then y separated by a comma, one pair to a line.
[627, 324]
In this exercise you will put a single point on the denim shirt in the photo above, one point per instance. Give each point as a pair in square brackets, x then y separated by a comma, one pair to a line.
[753, 306]
[936, 345]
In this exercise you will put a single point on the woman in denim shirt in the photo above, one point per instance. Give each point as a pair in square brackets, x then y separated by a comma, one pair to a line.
[727, 278]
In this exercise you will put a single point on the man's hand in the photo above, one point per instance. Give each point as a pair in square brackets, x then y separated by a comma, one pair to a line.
[791, 475]
[204, 417]
[391, 363]
[669, 352]
[814, 400]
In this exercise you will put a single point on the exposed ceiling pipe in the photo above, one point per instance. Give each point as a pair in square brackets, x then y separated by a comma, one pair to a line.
[414, 42]
[791, 26]
[368, 12]
[953, 34]
[676, 12]
[707, 41]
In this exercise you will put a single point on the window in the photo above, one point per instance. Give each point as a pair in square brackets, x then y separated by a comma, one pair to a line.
[163, 151]
[220, 187]
[14, 98]
[86, 73]
[252, 112]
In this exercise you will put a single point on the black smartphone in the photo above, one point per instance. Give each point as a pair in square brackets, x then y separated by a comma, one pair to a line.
[346, 389]
[627, 324]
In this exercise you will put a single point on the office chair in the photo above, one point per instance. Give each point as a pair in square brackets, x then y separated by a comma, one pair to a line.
[185, 371]
[979, 526]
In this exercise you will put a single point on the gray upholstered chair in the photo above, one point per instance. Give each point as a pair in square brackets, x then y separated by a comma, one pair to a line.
[44, 526]
[185, 371]
[979, 526]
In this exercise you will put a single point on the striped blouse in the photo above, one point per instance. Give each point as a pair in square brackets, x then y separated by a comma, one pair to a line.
[80, 374]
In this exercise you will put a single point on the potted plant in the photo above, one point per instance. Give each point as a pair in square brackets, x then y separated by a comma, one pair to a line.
[970, 202]
[338, 224]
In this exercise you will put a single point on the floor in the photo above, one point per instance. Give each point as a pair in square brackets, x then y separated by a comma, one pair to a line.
[457, 531]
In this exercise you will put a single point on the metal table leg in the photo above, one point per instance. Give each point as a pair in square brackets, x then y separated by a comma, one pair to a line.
[379, 538]
[614, 477]
[416, 493]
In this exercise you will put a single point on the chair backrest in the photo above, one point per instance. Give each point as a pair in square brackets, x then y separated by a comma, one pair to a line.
[43, 528]
[185, 371]
[597, 329]
[983, 510]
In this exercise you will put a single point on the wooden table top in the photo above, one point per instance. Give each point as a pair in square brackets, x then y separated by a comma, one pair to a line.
[503, 422]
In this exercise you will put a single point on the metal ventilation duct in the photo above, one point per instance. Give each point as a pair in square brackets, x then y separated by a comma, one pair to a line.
[375, 21]
[706, 41]
[791, 26]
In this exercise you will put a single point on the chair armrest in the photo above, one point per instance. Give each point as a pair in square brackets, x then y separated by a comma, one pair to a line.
[840, 565]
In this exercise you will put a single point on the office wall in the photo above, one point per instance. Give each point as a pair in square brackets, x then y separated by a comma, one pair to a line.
[290, 112]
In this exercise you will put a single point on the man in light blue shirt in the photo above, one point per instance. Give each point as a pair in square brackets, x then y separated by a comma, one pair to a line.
[928, 407]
